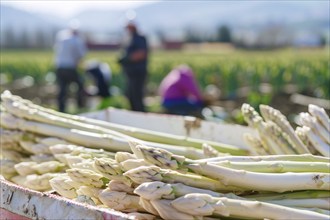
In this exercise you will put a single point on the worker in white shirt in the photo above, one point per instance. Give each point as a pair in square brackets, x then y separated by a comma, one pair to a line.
[69, 51]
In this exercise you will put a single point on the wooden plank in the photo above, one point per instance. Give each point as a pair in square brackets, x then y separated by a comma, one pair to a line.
[29, 204]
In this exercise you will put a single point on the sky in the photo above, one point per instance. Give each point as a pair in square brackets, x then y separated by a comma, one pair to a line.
[68, 8]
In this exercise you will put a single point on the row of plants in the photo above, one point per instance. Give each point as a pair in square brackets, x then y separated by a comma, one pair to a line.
[308, 70]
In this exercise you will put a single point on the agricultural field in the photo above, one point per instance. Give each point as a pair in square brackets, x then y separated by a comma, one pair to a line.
[268, 77]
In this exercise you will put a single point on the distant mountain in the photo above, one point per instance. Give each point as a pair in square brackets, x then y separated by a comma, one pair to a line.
[169, 14]
[20, 28]
[19, 20]
[173, 17]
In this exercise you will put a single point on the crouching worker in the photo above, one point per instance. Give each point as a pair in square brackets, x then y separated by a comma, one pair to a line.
[180, 92]
[101, 73]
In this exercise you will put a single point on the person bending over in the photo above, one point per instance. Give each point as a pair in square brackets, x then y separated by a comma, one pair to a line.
[180, 92]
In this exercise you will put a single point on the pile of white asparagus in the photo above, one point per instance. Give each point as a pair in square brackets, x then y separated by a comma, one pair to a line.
[152, 175]
[277, 136]
[153, 183]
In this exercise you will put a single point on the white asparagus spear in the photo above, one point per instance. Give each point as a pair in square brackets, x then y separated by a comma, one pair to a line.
[110, 169]
[204, 205]
[34, 181]
[167, 212]
[317, 142]
[120, 201]
[153, 173]
[87, 177]
[85, 138]
[122, 156]
[159, 190]
[39, 158]
[133, 163]
[321, 203]
[7, 169]
[61, 184]
[255, 121]
[300, 157]
[303, 137]
[277, 166]
[311, 122]
[279, 182]
[271, 114]
[120, 186]
[255, 145]
[51, 141]
[320, 114]
[145, 203]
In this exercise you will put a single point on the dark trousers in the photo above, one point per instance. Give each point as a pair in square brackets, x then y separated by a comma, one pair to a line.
[102, 84]
[183, 107]
[135, 89]
[64, 77]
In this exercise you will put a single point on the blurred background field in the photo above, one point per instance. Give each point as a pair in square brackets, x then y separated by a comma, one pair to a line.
[270, 52]
[269, 77]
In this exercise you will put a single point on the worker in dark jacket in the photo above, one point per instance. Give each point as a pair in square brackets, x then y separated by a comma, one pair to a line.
[134, 64]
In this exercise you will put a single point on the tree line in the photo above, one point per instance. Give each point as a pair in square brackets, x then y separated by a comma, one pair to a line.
[273, 36]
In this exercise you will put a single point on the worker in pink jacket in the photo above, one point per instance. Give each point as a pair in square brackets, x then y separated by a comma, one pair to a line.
[180, 92]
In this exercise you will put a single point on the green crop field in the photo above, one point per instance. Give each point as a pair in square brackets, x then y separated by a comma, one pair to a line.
[305, 69]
